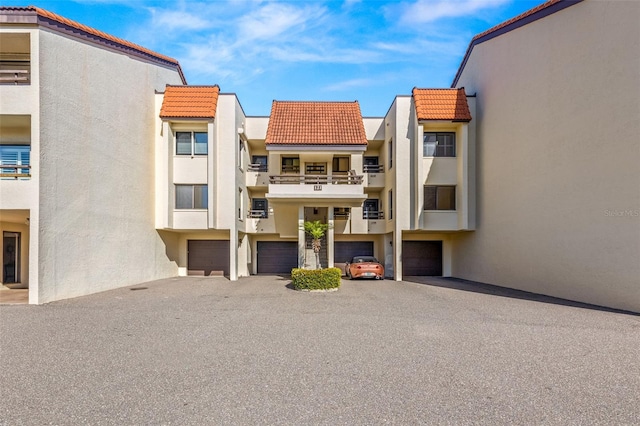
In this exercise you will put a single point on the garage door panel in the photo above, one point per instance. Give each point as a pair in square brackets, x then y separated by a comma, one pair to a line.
[345, 250]
[422, 258]
[207, 257]
[277, 257]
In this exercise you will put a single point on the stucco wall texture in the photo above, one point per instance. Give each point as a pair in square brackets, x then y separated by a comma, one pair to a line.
[96, 219]
[558, 176]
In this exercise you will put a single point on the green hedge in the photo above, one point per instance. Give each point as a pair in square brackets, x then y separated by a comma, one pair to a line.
[316, 279]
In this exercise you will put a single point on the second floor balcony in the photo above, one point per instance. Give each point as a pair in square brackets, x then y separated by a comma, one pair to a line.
[15, 162]
[319, 188]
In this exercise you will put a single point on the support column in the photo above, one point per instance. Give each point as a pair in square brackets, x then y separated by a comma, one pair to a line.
[233, 254]
[301, 236]
[330, 237]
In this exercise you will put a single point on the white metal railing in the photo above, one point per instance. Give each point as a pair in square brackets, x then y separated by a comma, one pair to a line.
[350, 179]
[370, 214]
[373, 168]
[15, 76]
[258, 214]
[14, 171]
[257, 167]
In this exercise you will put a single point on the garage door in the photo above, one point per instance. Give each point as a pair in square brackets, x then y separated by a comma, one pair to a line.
[277, 257]
[421, 258]
[207, 257]
[345, 250]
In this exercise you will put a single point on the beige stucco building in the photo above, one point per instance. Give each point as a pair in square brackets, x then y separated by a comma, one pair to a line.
[558, 154]
[505, 178]
[77, 113]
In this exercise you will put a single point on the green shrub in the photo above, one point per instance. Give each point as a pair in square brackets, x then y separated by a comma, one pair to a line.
[316, 279]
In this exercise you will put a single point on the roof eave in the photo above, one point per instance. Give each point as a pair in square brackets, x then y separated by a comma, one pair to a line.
[526, 18]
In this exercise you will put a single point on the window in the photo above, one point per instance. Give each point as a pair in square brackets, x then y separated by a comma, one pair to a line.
[15, 59]
[341, 164]
[439, 144]
[390, 153]
[259, 208]
[259, 163]
[290, 165]
[240, 152]
[191, 143]
[240, 204]
[371, 209]
[315, 168]
[439, 197]
[15, 155]
[371, 165]
[341, 213]
[192, 197]
[390, 204]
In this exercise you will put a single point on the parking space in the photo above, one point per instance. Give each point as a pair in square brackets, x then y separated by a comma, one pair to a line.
[205, 350]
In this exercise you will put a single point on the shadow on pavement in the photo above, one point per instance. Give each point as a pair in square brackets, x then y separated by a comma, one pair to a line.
[494, 290]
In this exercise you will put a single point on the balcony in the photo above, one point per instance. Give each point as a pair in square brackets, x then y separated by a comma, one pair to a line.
[319, 189]
[256, 175]
[15, 59]
[15, 158]
[350, 179]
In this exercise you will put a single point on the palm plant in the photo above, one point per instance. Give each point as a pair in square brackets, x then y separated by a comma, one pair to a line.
[316, 231]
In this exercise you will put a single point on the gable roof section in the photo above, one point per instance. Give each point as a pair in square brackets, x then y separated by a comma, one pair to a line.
[441, 104]
[190, 102]
[545, 9]
[36, 15]
[315, 123]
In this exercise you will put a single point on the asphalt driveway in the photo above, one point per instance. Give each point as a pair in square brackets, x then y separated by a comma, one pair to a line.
[197, 351]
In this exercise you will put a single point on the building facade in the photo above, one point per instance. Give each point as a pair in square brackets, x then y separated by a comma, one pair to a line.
[77, 151]
[115, 171]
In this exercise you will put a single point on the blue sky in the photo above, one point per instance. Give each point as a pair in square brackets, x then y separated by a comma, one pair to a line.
[348, 50]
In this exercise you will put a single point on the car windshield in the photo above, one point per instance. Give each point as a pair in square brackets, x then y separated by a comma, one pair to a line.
[362, 259]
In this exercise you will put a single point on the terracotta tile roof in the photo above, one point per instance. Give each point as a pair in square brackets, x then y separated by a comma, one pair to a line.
[441, 104]
[92, 33]
[316, 123]
[538, 12]
[190, 102]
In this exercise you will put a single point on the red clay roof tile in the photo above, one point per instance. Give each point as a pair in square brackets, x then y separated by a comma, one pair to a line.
[441, 104]
[190, 102]
[316, 123]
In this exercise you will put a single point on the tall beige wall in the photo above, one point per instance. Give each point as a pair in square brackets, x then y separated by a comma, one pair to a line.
[558, 157]
[96, 189]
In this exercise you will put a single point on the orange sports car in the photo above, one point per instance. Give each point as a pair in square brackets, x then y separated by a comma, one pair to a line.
[364, 267]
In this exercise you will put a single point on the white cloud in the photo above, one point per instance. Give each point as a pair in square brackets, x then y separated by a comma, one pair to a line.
[423, 11]
[275, 19]
[350, 84]
[176, 20]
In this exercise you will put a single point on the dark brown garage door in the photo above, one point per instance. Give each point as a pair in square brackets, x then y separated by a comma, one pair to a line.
[277, 257]
[207, 257]
[421, 258]
[345, 250]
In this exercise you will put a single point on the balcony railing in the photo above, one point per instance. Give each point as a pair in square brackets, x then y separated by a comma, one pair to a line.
[258, 214]
[287, 168]
[316, 179]
[15, 75]
[370, 214]
[8, 171]
[257, 167]
[373, 168]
